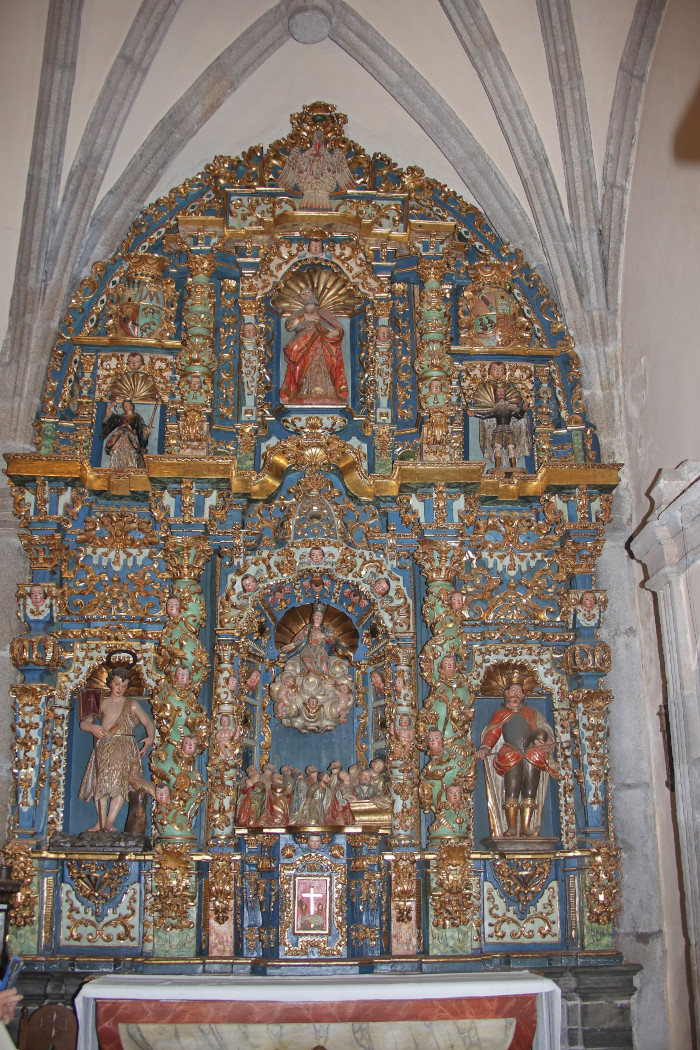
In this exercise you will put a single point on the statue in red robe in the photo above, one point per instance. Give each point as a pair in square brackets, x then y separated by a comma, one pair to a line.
[315, 369]
[525, 745]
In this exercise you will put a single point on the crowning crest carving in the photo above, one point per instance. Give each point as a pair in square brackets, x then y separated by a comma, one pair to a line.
[317, 172]
[313, 451]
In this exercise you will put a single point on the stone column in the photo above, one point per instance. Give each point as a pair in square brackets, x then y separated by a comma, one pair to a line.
[669, 547]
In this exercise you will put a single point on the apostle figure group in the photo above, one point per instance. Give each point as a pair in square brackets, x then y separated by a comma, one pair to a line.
[309, 798]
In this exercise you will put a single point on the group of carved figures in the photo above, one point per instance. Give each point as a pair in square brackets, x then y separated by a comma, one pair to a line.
[517, 747]
[517, 736]
[287, 797]
[291, 797]
[316, 375]
[313, 693]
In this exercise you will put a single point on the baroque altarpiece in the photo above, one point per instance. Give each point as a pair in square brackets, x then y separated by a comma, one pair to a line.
[311, 657]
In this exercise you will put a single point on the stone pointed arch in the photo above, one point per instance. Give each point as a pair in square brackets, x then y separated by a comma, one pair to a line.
[28, 342]
[477, 37]
[622, 135]
[453, 138]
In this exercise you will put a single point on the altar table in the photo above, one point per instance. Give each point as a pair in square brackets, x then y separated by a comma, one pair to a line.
[514, 1011]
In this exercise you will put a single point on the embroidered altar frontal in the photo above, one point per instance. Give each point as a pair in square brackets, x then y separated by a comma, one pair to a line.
[312, 653]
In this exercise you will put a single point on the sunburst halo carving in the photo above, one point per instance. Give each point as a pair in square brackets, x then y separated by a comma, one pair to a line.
[498, 676]
[299, 616]
[333, 291]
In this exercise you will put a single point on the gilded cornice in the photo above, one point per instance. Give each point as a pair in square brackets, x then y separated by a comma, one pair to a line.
[24, 467]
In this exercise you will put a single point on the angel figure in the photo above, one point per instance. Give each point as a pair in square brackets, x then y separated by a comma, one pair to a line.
[134, 383]
[226, 738]
[317, 172]
[503, 426]
[402, 737]
[37, 608]
[588, 610]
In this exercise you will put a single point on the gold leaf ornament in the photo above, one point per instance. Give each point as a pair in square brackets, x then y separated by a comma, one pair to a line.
[332, 290]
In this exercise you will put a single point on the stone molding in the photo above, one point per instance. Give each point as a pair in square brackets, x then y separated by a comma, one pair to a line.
[669, 546]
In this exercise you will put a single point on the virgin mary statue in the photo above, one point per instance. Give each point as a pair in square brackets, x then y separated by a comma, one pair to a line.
[315, 691]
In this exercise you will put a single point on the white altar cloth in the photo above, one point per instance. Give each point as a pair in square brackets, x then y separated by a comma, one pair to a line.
[319, 989]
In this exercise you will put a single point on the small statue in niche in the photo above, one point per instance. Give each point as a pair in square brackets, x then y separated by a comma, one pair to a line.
[525, 743]
[502, 412]
[314, 355]
[225, 751]
[115, 763]
[436, 429]
[126, 436]
[315, 691]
